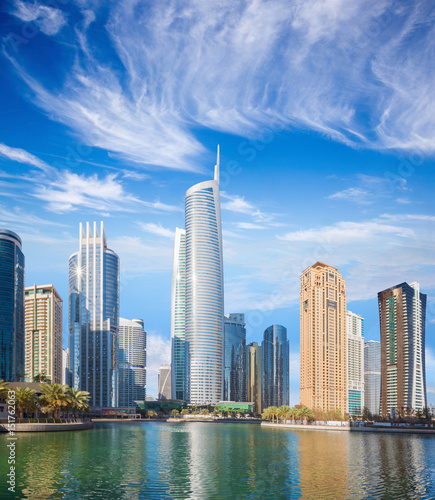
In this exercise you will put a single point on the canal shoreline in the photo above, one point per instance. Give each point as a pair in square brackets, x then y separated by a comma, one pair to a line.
[395, 430]
[39, 427]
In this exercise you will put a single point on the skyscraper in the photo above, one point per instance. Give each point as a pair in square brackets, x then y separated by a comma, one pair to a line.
[11, 307]
[94, 317]
[234, 357]
[372, 376]
[355, 362]
[43, 326]
[254, 375]
[131, 361]
[204, 293]
[323, 338]
[178, 320]
[164, 382]
[402, 314]
[275, 366]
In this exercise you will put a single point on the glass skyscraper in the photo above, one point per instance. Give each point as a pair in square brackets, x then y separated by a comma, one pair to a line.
[178, 323]
[131, 361]
[355, 362]
[275, 367]
[204, 293]
[402, 314]
[372, 376]
[94, 317]
[11, 307]
[235, 358]
[254, 375]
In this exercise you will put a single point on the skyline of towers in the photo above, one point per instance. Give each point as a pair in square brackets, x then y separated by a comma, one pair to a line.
[234, 357]
[323, 339]
[43, 334]
[131, 361]
[94, 317]
[402, 316]
[12, 337]
[204, 308]
[372, 376]
[355, 362]
[178, 316]
[275, 347]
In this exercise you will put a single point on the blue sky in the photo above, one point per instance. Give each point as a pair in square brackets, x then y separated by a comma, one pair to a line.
[324, 112]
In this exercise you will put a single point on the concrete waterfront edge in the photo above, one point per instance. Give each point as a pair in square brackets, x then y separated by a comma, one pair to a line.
[75, 426]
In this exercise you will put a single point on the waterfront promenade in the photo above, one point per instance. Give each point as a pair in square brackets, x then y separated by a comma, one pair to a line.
[348, 428]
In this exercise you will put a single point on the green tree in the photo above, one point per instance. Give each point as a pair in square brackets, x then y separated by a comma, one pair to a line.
[271, 413]
[25, 400]
[4, 388]
[366, 414]
[185, 411]
[305, 413]
[283, 412]
[204, 411]
[53, 398]
[175, 412]
[77, 400]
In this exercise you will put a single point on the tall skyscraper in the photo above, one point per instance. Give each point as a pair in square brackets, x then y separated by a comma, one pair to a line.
[164, 382]
[11, 307]
[254, 375]
[94, 317]
[402, 314]
[234, 357]
[43, 327]
[323, 338]
[131, 361]
[204, 293]
[372, 376]
[355, 362]
[66, 374]
[178, 317]
[275, 366]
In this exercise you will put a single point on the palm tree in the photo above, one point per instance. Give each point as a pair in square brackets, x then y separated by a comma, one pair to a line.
[283, 412]
[53, 398]
[25, 400]
[305, 413]
[3, 389]
[204, 411]
[175, 412]
[77, 400]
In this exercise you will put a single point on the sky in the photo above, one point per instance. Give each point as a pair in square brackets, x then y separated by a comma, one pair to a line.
[324, 111]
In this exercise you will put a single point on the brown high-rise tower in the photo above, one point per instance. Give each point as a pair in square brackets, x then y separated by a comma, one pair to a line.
[323, 338]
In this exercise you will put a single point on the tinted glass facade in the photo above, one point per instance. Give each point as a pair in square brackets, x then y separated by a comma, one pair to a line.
[372, 376]
[204, 294]
[94, 317]
[235, 358]
[275, 367]
[11, 307]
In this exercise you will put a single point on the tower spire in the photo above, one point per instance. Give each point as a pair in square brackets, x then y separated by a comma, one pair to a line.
[216, 168]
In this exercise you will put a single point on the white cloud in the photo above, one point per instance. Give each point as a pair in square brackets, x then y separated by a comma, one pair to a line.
[48, 19]
[158, 229]
[248, 225]
[239, 205]
[355, 194]
[21, 156]
[353, 71]
[158, 353]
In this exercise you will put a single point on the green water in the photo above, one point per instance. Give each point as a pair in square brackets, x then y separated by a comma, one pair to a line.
[204, 460]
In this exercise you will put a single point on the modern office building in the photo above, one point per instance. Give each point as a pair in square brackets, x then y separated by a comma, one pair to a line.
[66, 374]
[164, 382]
[234, 357]
[372, 376]
[11, 307]
[131, 362]
[402, 315]
[94, 317]
[323, 339]
[204, 293]
[276, 368]
[43, 337]
[355, 363]
[178, 321]
[254, 375]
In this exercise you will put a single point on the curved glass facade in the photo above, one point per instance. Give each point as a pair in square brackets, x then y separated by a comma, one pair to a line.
[93, 318]
[11, 307]
[275, 367]
[235, 358]
[204, 294]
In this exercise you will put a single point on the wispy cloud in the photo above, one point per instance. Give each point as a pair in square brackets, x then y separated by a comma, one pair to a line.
[356, 72]
[238, 204]
[21, 156]
[48, 19]
[158, 229]
[357, 195]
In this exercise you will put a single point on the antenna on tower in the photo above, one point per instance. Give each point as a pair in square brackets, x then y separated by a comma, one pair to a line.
[216, 168]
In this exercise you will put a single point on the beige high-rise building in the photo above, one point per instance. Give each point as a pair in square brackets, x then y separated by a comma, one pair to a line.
[43, 327]
[254, 372]
[323, 339]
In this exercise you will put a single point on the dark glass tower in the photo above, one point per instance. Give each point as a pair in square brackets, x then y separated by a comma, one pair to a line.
[275, 367]
[235, 357]
[11, 307]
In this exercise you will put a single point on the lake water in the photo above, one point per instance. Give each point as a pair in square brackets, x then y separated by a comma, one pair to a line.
[232, 461]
